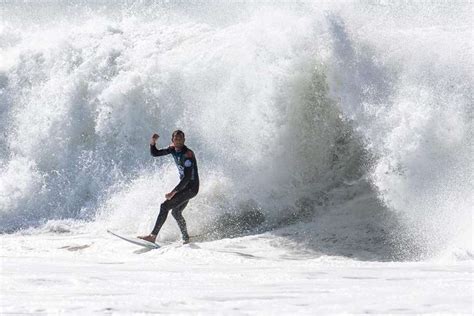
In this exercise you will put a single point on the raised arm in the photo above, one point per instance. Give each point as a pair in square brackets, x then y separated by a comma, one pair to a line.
[158, 152]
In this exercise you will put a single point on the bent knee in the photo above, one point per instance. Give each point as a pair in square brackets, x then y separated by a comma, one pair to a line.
[164, 208]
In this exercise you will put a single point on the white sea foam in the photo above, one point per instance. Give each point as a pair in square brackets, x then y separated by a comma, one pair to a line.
[358, 117]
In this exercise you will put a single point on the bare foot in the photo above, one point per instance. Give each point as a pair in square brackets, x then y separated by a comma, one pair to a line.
[150, 238]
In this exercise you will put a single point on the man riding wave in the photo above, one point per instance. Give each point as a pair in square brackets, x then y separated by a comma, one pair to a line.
[187, 188]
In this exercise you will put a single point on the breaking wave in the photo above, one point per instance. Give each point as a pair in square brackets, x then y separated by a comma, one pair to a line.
[346, 129]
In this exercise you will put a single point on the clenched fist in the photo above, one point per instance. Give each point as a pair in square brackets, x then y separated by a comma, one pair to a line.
[154, 138]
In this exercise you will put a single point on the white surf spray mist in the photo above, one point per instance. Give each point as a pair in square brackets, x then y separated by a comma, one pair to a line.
[325, 118]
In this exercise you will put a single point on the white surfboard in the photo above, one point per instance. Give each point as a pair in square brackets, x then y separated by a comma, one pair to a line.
[136, 241]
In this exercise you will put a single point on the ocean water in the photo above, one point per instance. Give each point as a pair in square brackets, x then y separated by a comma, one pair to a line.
[345, 127]
[333, 139]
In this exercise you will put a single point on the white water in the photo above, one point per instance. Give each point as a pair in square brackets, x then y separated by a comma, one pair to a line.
[342, 130]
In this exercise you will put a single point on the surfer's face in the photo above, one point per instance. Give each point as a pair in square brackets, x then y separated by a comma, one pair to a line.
[178, 141]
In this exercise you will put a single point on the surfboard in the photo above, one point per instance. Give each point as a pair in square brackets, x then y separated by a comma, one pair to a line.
[136, 241]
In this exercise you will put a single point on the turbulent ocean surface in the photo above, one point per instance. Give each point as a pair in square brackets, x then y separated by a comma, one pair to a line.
[334, 142]
[346, 127]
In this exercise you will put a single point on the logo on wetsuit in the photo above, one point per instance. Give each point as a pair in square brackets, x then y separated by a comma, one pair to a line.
[187, 163]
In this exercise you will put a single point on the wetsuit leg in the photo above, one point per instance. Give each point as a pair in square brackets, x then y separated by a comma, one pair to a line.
[178, 216]
[177, 200]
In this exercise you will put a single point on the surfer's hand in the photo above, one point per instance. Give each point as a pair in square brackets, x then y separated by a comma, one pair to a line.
[154, 138]
[170, 195]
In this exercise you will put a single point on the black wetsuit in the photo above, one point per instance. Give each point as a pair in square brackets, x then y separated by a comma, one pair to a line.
[186, 189]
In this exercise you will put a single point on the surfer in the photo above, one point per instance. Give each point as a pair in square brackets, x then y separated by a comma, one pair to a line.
[187, 188]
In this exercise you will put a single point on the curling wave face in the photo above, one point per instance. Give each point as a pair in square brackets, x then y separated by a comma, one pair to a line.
[347, 128]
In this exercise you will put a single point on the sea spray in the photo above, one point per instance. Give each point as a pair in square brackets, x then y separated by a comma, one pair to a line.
[352, 121]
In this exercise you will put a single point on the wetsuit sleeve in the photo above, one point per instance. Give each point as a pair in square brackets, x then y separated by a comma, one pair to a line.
[159, 152]
[188, 170]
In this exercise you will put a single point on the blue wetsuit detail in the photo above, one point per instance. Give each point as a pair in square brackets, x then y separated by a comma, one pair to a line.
[186, 163]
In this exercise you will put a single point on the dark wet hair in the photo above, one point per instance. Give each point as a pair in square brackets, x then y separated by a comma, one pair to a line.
[177, 132]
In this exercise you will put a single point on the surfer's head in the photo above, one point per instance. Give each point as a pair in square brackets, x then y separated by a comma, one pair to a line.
[178, 138]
